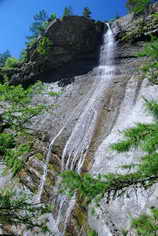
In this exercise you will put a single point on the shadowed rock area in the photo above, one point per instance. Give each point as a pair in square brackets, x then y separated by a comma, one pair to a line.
[74, 51]
[74, 57]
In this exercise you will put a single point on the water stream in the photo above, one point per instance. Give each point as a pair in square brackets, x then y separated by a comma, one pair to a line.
[77, 145]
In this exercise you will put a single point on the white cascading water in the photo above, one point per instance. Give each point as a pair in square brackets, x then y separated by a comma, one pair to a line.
[77, 146]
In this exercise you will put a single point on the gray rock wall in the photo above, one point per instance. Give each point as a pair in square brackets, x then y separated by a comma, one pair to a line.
[74, 49]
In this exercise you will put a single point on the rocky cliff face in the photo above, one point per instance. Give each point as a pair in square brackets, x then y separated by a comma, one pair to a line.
[122, 107]
[74, 48]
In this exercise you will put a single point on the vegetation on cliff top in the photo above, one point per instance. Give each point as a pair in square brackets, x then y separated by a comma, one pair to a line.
[139, 6]
[3, 57]
[17, 111]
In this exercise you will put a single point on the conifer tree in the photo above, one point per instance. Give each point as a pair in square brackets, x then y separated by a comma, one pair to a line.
[3, 57]
[146, 224]
[138, 6]
[68, 11]
[86, 12]
[144, 174]
[16, 209]
[17, 110]
[38, 26]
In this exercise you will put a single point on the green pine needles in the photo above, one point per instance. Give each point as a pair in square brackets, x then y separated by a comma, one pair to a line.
[17, 111]
[150, 68]
[144, 174]
[146, 224]
[150, 49]
[16, 144]
[140, 175]
[16, 209]
[138, 6]
[44, 45]
[14, 158]
[6, 141]
[15, 102]
[152, 107]
[144, 136]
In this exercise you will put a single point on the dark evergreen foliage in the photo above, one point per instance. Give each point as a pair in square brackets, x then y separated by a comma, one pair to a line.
[16, 209]
[138, 6]
[68, 11]
[3, 57]
[37, 26]
[86, 12]
[146, 224]
[142, 174]
[17, 110]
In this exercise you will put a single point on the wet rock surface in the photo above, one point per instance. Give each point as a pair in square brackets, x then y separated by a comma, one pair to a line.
[123, 106]
[70, 106]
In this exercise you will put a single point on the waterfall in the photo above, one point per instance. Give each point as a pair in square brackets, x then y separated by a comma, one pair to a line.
[77, 145]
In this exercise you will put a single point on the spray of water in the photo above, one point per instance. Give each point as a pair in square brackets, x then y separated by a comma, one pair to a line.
[80, 139]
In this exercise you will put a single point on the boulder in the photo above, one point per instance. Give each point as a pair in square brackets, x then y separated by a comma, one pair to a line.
[73, 51]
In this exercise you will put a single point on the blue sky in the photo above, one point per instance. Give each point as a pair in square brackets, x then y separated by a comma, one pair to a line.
[17, 15]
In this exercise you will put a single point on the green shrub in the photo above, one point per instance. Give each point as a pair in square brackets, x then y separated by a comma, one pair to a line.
[6, 141]
[150, 49]
[68, 11]
[16, 209]
[45, 25]
[144, 174]
[3, 57]
[92, 233]
[54, 94]
[86, 12]
[31, 42]
[11, 62]
[13, 158]
[23, 56]
[53, 16]
[44, 45]
[150, 68]
[138, 6]
[19, 110]
[146, 224]
[17, 113]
